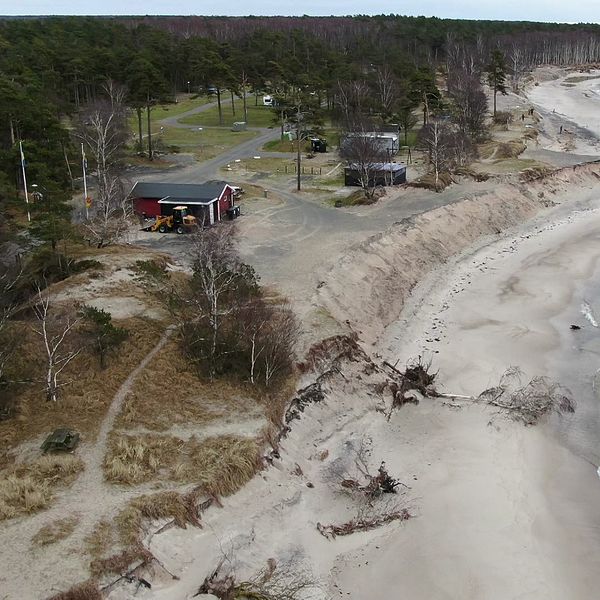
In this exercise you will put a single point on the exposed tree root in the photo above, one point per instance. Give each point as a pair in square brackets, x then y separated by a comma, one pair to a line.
[382, 483]
[285, 582]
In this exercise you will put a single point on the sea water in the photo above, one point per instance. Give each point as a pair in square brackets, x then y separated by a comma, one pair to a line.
[576, 364]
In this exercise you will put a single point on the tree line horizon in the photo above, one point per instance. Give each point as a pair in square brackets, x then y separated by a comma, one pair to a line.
[52, 67]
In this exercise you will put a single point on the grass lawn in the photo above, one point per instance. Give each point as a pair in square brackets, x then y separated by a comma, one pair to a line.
[411, 138]
[184, 104]
[336, 179]
[142, 161]
[258, 116]
[204, 144]
[331, 135]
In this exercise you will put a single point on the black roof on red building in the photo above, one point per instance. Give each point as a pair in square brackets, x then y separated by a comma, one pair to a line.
[179, 192]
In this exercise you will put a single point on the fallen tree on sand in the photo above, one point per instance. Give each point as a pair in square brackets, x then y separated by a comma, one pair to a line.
[528, 403]
[382, 483]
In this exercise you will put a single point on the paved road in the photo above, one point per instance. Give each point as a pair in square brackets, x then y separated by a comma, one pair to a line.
[199, 172]
[292, 239]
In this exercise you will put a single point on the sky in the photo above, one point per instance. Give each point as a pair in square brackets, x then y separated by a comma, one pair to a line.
[572, 11]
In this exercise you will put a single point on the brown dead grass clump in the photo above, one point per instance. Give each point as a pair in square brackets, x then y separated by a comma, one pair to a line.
[502, 118]
[180, 508]
[128, 528]
[100, 540]
[534, 173]
[120, 563]
[83, 591]
[472, 174]
[221, 465]
[428, 182]
[321, 355]
[531, 134]
[55, 531]
[135, 459]
[169, 393]
[29, 487]
[275, 404]
[510, 149]
[501, 150]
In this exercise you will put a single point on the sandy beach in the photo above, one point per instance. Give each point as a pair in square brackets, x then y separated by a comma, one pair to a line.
[570, 102]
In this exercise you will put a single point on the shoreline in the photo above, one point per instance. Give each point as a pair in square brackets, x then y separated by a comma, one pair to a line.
[534, 284]
[440, 290]
[510, 302]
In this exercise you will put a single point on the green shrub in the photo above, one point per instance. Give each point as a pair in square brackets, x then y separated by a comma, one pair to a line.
[103, 335]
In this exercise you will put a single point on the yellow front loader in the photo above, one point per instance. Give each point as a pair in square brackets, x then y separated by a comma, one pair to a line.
[181, 221]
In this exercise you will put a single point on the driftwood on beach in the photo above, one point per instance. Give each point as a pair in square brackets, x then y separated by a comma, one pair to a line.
[362, 524]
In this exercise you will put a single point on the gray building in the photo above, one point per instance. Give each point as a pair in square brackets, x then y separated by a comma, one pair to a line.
[380, 174]
[388, 141]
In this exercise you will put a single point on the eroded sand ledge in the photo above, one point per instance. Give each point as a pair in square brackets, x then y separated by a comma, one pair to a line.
[369, 285]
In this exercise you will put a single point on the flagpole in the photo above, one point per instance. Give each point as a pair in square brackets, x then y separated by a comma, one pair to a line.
[24, 179]
[85, 190]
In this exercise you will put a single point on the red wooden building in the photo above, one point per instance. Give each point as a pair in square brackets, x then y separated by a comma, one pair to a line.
[208, 202]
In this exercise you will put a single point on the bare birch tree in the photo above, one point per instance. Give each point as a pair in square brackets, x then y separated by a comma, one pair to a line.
[437, 139]
[516, 61]
[244, 83]
[470, 103]
[387, 88]
[8, 338]
[103, 132]
[226, 324]
[279, 340]
[55, 334]
[352, 98]
[216, 287]
[270, 333]
[254, 320]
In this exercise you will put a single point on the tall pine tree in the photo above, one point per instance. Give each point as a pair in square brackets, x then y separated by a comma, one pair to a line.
[496, 72]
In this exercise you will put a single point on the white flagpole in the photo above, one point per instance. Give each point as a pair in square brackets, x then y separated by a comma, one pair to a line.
[24, 179]
[85, 190]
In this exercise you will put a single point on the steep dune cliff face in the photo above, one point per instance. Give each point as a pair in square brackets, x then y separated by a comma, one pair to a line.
[368, 286]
